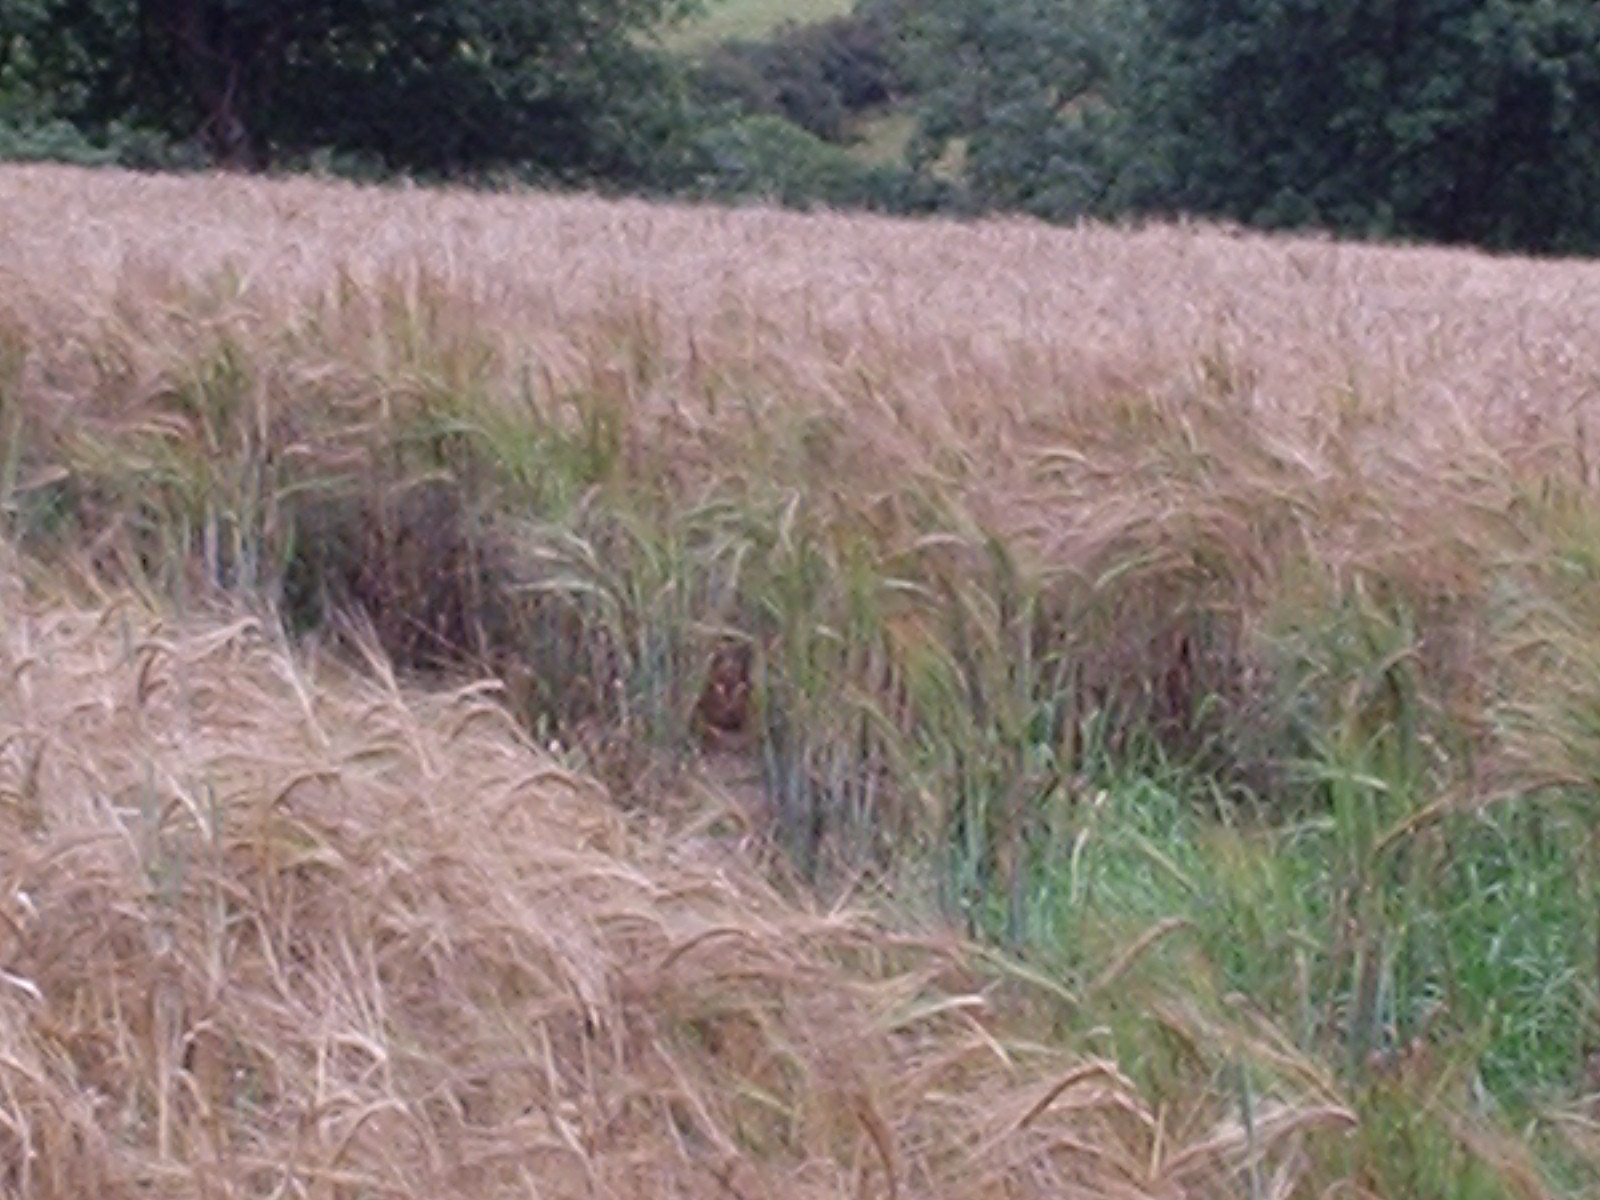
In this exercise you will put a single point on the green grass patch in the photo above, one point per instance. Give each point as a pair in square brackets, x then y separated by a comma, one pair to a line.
[882, 138]
[725, 20]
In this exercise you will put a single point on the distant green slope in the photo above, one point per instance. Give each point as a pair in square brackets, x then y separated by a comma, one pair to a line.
[725, 19]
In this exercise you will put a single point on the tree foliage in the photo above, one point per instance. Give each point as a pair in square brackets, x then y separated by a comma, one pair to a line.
[1018, 86]
[1455, 120]
[426, 85]
[817, 75]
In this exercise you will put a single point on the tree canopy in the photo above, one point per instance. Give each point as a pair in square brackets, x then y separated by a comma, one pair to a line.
[1472, 121]
[1455, 120]
[427, 85]
[1019, 85]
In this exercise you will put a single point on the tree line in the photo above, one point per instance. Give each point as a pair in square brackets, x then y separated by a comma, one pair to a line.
[1473, 121]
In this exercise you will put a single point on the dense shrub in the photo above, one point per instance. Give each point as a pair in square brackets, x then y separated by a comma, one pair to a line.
[769, 158]
[1448, 120]
[1451, 120]
[24, 140]
[815, 75]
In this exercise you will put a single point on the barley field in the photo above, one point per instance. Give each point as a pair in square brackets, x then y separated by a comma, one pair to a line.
[507, 694]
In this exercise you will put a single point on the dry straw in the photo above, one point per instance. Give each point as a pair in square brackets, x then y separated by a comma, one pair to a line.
[277, 928]
[280, 928]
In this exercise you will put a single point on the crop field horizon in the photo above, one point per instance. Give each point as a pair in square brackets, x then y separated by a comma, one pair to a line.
[516, 694]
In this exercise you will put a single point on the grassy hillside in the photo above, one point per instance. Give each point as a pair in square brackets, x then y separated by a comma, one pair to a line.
[727, 19]
[976, 709]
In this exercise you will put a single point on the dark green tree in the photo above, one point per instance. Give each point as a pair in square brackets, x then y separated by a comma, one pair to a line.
[818, 74]
[436, 86]
[1018, 89]
[1454, 120]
